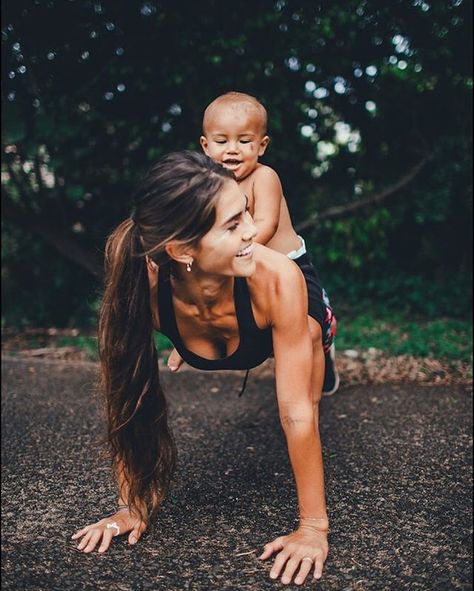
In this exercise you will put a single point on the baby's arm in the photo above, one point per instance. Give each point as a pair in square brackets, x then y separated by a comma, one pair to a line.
[267, 193]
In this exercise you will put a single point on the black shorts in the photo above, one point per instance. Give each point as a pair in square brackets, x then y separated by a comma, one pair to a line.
[319, 306]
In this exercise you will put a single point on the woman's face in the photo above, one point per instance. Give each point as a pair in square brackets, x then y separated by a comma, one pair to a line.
[227, 248]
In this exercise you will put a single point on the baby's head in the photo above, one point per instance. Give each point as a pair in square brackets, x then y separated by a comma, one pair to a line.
[234, 132]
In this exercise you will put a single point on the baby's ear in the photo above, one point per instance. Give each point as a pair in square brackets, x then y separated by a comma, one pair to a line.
[263, 145]
[203, 142]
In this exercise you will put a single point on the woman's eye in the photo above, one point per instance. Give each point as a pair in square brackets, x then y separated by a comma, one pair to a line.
[233, 227]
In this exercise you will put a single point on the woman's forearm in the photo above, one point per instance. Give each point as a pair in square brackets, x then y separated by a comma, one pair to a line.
[122, 485]
[304, 448]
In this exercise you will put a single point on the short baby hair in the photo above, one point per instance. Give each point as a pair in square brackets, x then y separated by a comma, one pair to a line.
[236, 99]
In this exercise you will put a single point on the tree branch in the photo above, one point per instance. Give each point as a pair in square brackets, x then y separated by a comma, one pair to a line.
[63, 243]
[342, 211]
[22, 192]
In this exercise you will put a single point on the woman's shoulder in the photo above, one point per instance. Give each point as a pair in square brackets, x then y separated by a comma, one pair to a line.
[275, 273]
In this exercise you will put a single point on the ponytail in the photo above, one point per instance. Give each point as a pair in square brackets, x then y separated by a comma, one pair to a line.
[142, 447]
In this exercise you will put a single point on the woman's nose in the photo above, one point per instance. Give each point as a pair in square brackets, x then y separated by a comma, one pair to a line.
[250, 230]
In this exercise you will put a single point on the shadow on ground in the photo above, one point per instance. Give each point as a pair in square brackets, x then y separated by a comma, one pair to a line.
[398, 470]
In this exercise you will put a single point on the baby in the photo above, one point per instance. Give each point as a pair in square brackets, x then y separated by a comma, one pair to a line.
[235, 135]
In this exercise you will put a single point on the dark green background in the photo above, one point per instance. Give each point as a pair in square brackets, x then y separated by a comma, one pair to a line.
[94, 91]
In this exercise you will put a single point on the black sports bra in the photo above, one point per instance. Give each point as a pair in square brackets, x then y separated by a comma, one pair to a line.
[255, 344]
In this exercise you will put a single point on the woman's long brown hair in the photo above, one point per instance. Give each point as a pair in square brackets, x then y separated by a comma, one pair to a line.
[175, 201]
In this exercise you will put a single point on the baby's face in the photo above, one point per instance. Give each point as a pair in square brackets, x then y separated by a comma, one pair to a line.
[234, 137]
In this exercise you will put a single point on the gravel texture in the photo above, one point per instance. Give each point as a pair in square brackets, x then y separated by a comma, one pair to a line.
[371, 366]
[398, 474]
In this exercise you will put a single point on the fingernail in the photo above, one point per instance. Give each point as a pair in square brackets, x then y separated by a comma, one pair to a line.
[273, 575]
[133, 540]
[172, 367]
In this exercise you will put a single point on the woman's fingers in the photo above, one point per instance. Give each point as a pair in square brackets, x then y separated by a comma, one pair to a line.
[85, 540]
[318, 568]
[104, 530]
[272, 547]
[278, 565]
[107, 536]
[305, 567]
[297, 553]
[290, 569]
[81, 532]
[96, 534]
[136, 532]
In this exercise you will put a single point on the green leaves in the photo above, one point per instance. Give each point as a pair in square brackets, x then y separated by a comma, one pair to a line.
[97, 93]
[14, 127]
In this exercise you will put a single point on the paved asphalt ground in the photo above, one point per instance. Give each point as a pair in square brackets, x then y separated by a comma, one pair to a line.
[398, 471]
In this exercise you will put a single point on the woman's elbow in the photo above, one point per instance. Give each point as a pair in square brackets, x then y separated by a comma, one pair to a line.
[299, 425]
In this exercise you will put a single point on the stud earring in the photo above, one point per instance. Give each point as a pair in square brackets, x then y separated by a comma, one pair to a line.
[189, 266]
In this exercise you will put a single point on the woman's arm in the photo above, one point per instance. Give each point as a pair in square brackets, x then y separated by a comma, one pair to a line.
[297, 404]
[98, 534]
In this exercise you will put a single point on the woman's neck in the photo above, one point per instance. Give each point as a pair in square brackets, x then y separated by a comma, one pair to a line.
[202, 290]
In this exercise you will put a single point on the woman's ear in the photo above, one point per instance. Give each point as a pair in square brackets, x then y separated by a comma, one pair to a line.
[179, 252]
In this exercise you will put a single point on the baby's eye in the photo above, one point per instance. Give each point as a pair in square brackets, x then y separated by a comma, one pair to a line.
[245, 141]
[220, 141]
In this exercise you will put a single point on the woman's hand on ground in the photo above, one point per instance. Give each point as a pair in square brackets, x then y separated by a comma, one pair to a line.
[98, 532]
[175, 361]
[299, 552]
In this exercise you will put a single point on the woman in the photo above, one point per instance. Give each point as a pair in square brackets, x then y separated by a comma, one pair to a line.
[185, 264]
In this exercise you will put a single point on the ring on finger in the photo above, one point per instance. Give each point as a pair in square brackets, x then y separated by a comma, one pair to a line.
[115, 526]
[307, 558]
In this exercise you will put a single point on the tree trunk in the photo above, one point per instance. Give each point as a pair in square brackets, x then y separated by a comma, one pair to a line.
[65, 244]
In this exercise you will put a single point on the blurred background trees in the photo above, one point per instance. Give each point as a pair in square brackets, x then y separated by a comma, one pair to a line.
[370, 121]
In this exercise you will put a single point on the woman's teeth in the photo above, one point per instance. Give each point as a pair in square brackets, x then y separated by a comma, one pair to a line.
[246, 251]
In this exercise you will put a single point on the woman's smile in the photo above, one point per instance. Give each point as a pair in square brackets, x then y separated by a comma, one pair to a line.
[246, 252]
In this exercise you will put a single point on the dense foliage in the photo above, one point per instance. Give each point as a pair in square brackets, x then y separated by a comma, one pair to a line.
[363, 97]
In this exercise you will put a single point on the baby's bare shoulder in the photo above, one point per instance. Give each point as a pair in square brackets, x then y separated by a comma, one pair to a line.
[264, 172]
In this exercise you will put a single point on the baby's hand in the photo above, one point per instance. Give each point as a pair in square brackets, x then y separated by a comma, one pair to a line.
[175, 361]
